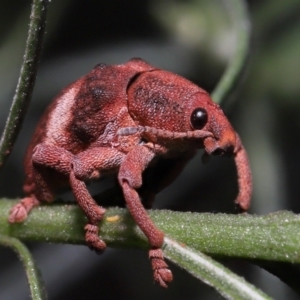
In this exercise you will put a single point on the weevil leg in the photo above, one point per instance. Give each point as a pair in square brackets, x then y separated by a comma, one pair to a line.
[39, 185]
[243, 199]
[130, 178]
[93, 212]
[19, 212]
[88, 165]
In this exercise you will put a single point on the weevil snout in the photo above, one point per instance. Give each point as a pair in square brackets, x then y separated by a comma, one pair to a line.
[222, 145]
[226, 151]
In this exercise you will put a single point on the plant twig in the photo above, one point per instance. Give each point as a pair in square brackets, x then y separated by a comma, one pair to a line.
[33, 276]
[273, 237]
[27, 78]
[228, 284]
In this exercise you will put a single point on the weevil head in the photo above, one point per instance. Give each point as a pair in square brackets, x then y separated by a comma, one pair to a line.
[208, 116]
[166, 101]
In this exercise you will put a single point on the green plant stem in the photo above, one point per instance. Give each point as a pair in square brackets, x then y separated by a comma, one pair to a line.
[235, 68]
[273, 237]
[33, 276]
[26, 79]
[228, 284]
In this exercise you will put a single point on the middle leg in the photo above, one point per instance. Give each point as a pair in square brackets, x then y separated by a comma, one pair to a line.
[88, 165]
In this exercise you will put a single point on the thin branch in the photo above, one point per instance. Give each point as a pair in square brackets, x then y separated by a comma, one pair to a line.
[33, 276]
[27, 78]
[228, 284]
[273, 237]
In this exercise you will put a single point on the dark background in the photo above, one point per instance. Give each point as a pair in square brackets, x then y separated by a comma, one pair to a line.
[194, 39]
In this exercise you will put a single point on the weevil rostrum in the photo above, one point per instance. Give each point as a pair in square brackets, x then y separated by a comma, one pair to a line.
[121, 119]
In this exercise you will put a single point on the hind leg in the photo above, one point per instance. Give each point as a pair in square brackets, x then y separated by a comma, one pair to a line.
[19, 212]
[39, 186]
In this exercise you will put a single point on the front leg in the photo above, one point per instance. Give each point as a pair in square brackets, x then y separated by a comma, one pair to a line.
[130, 178]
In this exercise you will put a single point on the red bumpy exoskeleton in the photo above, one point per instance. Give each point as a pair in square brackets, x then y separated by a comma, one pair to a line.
[122, 119]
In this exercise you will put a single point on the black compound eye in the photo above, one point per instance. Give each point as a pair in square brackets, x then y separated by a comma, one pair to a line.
[198, 118]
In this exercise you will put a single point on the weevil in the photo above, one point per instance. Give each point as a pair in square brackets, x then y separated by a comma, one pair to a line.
[121, 119]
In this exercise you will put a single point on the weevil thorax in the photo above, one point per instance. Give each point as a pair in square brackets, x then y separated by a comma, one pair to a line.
[166, 101]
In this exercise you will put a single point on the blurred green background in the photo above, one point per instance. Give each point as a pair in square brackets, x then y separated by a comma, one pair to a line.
[195, 39]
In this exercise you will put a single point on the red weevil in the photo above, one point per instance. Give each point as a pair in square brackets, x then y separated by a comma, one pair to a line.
[122, 119]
